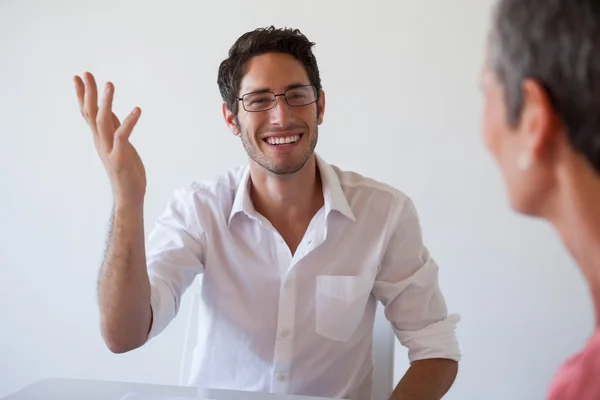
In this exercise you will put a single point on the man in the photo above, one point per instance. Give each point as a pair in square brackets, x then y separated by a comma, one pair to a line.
[294, 252]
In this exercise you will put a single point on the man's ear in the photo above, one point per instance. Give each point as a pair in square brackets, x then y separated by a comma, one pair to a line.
[321, 107]
[230, 119]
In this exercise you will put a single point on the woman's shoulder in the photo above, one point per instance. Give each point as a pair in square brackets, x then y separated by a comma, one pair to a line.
[578, 378]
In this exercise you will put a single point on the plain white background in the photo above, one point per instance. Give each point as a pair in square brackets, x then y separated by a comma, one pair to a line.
[402, 106]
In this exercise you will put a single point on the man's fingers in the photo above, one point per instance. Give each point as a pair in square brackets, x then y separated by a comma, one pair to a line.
[90, 108]
[79, 90]
[115, 121]
[104, 119]
[124, 132]
[107, 99]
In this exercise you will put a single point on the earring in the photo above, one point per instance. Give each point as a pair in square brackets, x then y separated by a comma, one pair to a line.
[524, 161]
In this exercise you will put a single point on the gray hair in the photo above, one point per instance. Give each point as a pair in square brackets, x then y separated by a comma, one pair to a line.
[556, 43]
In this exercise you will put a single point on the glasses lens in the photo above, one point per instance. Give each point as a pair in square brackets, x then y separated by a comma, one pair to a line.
[301, 96]
[258, 101]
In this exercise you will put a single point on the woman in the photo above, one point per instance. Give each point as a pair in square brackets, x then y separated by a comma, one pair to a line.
[541, 123]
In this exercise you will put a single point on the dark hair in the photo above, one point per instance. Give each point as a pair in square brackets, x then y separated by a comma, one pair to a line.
[261, 41]
[556, 43]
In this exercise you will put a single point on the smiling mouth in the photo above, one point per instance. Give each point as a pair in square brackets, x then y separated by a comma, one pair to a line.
[280, 141]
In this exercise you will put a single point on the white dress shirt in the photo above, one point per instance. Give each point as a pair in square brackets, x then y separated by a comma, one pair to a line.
[300, 323]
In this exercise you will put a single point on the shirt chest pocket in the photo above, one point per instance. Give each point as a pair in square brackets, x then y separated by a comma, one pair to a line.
[340, 304]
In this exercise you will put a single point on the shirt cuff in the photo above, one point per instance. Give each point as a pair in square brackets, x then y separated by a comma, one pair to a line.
[437, 340]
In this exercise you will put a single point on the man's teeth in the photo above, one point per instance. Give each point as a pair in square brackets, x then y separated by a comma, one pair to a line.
[283, 140]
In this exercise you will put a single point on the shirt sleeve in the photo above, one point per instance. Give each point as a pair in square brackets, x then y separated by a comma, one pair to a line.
[407, 286]
[174, 256]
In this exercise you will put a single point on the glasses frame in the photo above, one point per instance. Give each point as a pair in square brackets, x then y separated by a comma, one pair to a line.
[275, 96]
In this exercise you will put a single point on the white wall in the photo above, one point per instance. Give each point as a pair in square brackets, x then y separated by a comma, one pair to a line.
[402, 106]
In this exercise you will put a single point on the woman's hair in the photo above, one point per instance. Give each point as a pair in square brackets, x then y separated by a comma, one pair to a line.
[556, 43]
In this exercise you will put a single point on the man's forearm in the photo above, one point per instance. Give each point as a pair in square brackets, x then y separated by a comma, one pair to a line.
[426, 380]
[124, 288]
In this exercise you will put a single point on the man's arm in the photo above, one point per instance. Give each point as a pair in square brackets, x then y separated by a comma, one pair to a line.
[426, 380]
[123, 284]
[407, 285]
[139, 286]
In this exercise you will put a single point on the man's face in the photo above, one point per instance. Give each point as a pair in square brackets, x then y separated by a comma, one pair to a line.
[283, 138]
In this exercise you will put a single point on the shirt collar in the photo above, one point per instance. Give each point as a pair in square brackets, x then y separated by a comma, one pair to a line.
[333, 194]
[242, 201]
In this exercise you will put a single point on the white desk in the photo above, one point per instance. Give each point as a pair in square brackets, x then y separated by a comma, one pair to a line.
[78, 389]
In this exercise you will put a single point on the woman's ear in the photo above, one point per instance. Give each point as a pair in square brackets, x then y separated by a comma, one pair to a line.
[538, 120]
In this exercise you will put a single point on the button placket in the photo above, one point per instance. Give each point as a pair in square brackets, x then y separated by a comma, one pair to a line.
[285, 335]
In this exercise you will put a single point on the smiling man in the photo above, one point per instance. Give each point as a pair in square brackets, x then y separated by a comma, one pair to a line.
[295, 253]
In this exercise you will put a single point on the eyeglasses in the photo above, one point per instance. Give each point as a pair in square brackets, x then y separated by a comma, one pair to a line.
[298, 96]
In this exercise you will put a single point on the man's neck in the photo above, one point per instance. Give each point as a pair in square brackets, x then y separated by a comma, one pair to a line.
[287, 199]
[576, 216]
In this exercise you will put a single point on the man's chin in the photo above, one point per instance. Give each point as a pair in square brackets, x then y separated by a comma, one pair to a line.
[283, 168]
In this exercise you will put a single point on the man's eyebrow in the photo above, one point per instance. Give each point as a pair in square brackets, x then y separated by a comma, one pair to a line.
[265, 90]
[296, 85]
[259, 90]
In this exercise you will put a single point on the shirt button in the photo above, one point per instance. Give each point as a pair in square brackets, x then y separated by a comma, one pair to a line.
[280, 378]
[285, 333]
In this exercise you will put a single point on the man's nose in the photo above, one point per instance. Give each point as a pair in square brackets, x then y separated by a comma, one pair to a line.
[280, 113]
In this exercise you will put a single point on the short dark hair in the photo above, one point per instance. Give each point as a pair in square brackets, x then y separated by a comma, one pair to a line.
[556, 43]
[260, 41]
